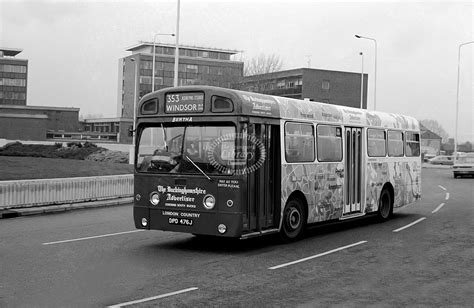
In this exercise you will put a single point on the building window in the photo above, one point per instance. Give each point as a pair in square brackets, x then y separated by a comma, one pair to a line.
[203, 69]
[325, 85]
[299, 82]
[190, 68]
[147, 65]
[281, 84]
[291, 84]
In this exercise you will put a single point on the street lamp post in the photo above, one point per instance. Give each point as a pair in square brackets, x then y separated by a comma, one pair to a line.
[362, 82]
[457, 100]
[132, 149]
[176, 53]
[375, 75]
[154, 55]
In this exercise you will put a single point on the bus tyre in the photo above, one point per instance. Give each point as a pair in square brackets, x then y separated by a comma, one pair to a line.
[294, 221]
[385, 205]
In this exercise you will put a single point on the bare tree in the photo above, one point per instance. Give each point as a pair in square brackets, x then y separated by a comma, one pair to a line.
[263, 64]
[436, 128]
[258, 69]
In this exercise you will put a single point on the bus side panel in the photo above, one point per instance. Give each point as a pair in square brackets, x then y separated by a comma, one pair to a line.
[405, 177]
[322, 185]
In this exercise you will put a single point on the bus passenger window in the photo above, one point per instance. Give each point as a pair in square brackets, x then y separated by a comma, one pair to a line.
[329, 143]
[412, 146]
[376, 143]
[299, 142]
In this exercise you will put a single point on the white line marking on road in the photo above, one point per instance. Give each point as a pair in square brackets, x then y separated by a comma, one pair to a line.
[441, 187]
[438, 208]
[316, 256]
[409, 225]
[447, 196]
[152, 298]
[91, 237]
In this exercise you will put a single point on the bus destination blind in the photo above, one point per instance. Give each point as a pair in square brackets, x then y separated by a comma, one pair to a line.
[190, 102]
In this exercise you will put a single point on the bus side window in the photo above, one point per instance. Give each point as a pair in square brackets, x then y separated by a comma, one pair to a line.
[412, 146]
[329, 143]
[299, 142]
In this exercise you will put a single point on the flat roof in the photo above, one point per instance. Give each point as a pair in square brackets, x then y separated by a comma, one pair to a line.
[39, 108]
[101, 120]
[10, 52]
[145, 44]
[296, 72]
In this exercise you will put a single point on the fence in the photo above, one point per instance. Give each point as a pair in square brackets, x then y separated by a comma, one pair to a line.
[28, 193]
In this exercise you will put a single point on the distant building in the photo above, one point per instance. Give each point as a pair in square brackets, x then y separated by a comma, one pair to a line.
[13, 77]
[36, 122]
[107, 129]
[430, 142]
[332, 87]
[197, 65]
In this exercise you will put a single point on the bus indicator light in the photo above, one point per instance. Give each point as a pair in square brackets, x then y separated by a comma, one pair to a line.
[222, 228]
[230, 203]
[144, 222]
[209, 202]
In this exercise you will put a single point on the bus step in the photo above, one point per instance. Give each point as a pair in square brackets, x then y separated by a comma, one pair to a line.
[352, 215]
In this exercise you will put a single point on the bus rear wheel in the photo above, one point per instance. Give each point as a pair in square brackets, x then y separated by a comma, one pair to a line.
[385, 205]
[294, 221]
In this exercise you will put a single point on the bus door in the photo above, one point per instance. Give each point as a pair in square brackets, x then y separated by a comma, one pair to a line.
[353, 170]
[263, 174]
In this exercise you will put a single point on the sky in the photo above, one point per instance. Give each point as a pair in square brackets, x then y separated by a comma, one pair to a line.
[73, 47]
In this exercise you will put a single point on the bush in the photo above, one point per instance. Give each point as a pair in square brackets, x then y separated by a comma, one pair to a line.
[88, 144]
[74, 144]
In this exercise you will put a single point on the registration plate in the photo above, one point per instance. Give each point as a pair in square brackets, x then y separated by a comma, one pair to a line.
[180, 221]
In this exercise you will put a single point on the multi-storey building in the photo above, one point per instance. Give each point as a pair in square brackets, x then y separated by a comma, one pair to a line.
[332, 87]
[197, 65]
[13, 77]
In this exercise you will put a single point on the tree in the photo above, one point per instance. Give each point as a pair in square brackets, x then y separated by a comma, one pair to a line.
[263, 64]
[436, 128]
[258, 69]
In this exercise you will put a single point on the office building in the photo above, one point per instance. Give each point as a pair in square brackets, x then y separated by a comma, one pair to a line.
[13, 77]
[197, 65]
[332, 87]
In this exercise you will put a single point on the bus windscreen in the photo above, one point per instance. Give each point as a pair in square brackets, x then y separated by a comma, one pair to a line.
[187, 149]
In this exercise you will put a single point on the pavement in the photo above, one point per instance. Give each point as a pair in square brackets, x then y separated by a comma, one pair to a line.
[37, 210]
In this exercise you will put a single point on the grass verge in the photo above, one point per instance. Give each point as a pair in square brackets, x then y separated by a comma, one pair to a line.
[24, 168]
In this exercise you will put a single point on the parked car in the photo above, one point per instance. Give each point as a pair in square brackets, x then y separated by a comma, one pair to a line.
[427, 157]
[442, 160]
[464, 165]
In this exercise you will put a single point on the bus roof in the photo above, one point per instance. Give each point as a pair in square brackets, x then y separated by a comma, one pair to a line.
[256, 104]
[289, 108]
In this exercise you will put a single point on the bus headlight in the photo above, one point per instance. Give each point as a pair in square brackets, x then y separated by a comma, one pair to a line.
[209, 202]
[144, 222]
[154, 198]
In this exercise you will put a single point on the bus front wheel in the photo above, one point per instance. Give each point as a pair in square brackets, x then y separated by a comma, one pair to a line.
[385, 205]
[294, 220]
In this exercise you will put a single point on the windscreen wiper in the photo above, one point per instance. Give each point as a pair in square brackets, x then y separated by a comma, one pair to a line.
[197, 167]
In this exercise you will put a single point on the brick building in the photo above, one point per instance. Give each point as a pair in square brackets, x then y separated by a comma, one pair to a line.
[36, 122]
[332, 87]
